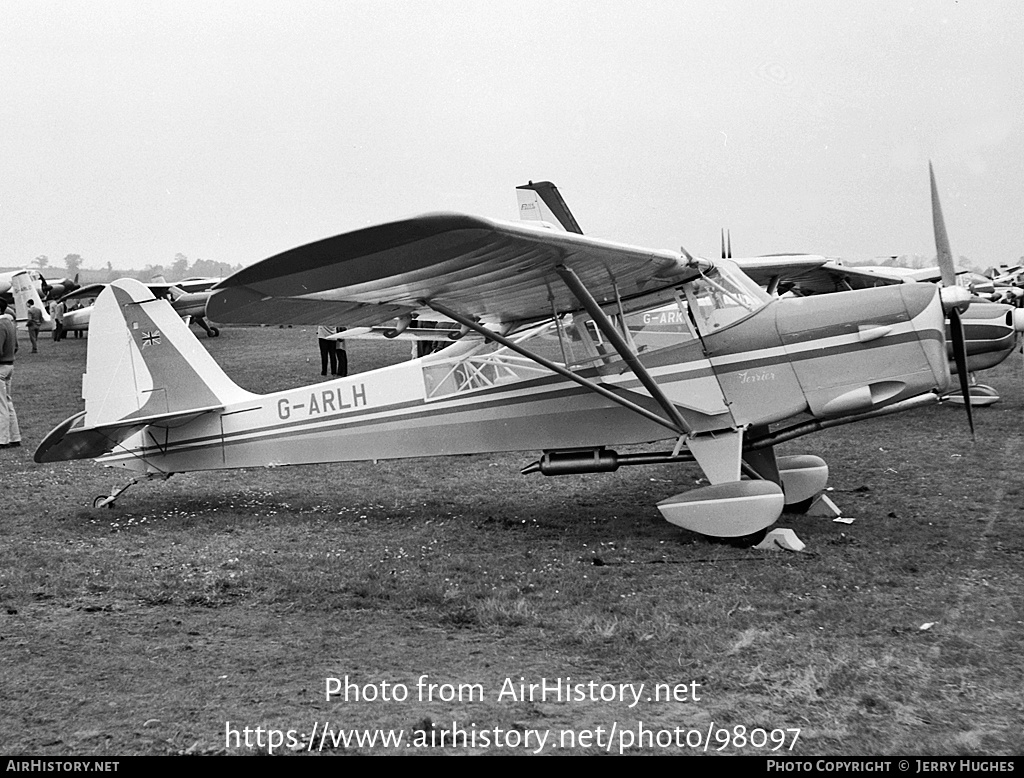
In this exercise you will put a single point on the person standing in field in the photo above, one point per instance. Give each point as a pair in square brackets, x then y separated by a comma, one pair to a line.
[34, 324]
[57, 313]
[328, 351]
[10, 434]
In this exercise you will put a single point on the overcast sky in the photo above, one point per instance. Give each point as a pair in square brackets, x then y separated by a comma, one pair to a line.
[231, 131]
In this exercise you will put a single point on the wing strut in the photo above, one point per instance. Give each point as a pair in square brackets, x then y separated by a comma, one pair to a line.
[554, 366]
[619, 344]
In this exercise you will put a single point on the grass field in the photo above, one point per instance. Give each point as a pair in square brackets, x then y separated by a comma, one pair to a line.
[211, 603]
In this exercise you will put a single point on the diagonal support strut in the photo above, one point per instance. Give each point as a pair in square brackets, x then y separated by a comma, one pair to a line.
[619, 344]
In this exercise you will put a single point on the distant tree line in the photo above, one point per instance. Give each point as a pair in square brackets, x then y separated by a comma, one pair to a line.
[180, 268]
[177, 270]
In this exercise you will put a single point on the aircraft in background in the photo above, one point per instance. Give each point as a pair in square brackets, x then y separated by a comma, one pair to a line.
[1007, 284]
[49, 290]
[24, 287]
[189, 305]
[568, 344]
[7, 281]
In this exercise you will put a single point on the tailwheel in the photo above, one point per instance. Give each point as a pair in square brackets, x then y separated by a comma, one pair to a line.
[107, 500]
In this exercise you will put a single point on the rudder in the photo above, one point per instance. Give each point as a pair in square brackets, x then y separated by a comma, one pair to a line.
[542, 202]
[23, 289]
[143, 360]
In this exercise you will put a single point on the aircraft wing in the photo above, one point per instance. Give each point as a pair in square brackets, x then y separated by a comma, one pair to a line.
[827, 275]
[502, 272]
[196, 283]
[82, 292]
[765, 269]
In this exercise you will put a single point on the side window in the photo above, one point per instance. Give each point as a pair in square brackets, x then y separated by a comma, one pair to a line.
[660, 327]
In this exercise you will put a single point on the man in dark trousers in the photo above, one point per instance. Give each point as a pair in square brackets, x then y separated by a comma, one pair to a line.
[34, 324]
[328, 351]
[10, 434]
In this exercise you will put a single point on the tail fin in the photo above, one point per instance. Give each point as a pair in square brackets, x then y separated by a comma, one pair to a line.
[24, 288]
[542, 202]
[143, 361]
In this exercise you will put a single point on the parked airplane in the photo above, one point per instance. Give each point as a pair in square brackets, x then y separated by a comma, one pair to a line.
[189, 305]
[1007, 284]
[50, 290]
[7, 282]
[568, 348]
[25, 287]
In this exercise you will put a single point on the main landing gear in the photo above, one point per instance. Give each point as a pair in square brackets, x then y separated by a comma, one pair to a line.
[742, 511]
[738, 508]
[211, 331]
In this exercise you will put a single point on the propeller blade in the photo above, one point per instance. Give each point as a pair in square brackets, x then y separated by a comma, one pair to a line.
[944, 254]
[723, 243]
[728, 237]
[956, 330]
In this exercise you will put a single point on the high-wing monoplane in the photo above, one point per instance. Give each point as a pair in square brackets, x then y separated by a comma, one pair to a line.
[569, 345]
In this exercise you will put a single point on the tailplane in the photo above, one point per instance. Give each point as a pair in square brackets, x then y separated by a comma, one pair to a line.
[144, 368]
[144, 361]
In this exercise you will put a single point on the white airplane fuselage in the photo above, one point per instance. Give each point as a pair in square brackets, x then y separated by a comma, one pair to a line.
[790, 357]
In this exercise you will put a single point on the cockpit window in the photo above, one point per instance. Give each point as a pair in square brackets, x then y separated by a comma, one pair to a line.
[722, 296]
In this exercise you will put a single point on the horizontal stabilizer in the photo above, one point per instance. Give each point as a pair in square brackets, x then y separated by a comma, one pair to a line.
[71, 439]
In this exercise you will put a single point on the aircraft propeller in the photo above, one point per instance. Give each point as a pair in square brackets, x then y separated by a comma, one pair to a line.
[955, 299]
[724, 250]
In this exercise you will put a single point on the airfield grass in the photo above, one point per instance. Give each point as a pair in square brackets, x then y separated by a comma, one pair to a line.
[219, 601]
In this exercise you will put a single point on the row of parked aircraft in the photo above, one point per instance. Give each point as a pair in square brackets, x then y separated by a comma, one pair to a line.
[188, 298]
[559, 342]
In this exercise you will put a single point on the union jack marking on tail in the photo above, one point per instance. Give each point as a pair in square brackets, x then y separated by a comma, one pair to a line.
[151, 338]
